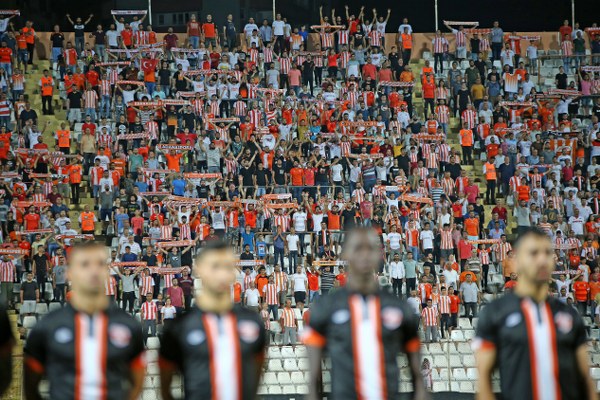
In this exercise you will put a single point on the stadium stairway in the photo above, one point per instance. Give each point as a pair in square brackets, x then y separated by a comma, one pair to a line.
[53, 123]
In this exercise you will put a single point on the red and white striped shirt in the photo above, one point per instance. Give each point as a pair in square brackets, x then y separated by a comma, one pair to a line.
[7, 272]
[343, 36]
[110, 286]
[288, 318]
[446, 240]
[502, 250]
[185, 231]
[146, 284]
[149, 311]
[444, 304]
[326, 40]
[484, 257]
[461, 39]
[283, 221]
[285, 64]
[448, 186]
[268, 54]
[443, 114]
[567, 48]
[166, 232]
[375, 37]
[105, 87]
[270, 293]
[91, 98]
[429, 315]
[239, 108]
[470, 117]
[439, 44]
[280, 279]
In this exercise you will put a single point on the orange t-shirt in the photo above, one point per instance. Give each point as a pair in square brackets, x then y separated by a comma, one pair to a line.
[333, 221]
[467, 137]
[173, 161]
[581, 289]
[297, 175]
[472, 226]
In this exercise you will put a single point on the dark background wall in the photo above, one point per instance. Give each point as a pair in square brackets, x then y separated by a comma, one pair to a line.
[521, 15]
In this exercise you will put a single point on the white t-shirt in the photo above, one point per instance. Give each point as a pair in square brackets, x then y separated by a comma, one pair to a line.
[451, 277]
[336, 172]
[252, 296]
[111, 38]
[427, 238]
[299, 282]
[168, 312]
[394, 238]
[300, 221]
[317, 219]
[292, 242]
[249, 28]
[278, 28]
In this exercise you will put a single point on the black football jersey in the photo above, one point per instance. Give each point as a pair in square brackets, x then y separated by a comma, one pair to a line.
[536, 345]
[218, 355]
[86, 356]
[363, 336]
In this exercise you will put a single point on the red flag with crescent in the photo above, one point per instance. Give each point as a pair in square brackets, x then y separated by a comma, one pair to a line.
[149, 65]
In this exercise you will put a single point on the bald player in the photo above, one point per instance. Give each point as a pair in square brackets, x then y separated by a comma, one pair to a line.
[363, 329]
[536, 342]
[217, 346]
[89, 349]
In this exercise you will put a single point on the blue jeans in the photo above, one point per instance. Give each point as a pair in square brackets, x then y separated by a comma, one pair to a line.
[105, 106]
[567, 64]
[260, 191]
[272, 308]
[100, 51]
[279, 255]
[91, 112]
[313, 295]
[7, 67]
[79, 44]
[293, 261]
[150, 86]
[415, 251]
[297, 192]
[194, 41]
[56, 52]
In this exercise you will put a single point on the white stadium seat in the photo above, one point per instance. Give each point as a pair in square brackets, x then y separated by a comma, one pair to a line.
[29, 322]
[275, 365]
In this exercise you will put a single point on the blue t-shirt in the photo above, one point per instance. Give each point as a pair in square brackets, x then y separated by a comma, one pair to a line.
[143, 186]
[261, 249]
[178, 187]
[248, 239]
[121, 218]
[129, 257]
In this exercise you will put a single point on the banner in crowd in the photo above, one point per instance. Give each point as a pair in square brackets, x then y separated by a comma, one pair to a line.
[10, 12]
[484, 241]
[175, 243]
[13, 250]
[129, 12]
[463, 23]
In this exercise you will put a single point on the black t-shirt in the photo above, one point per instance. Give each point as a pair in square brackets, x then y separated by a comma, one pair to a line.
[29, 289]
[561, 81]
[75, 99]
[99, 37]
[247, 174]
[41, 264]
[261, 177]
[279, 174]
[79, 30]
[348, 216]
[57, 39]
[26, 115]
[164, 77]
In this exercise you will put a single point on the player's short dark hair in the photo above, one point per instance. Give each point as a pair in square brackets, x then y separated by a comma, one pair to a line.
[212, 246]
[87, 246]
[360, 230]
[533, 232]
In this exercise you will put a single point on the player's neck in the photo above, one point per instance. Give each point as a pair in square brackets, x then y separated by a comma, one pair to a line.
[538, 293]
[214, 303]
[362, 286]
[89, 304]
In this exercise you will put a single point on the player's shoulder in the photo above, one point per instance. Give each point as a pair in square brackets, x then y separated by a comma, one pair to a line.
[117, 315]
[54, 318]
[242, 313]
[500, 308]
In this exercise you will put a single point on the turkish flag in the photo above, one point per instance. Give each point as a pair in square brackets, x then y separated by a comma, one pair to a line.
[149, 65]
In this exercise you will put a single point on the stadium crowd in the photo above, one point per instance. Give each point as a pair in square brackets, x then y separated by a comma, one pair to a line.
[279, 144]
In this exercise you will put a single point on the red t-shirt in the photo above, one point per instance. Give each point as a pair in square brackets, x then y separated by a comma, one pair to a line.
[32, 221]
